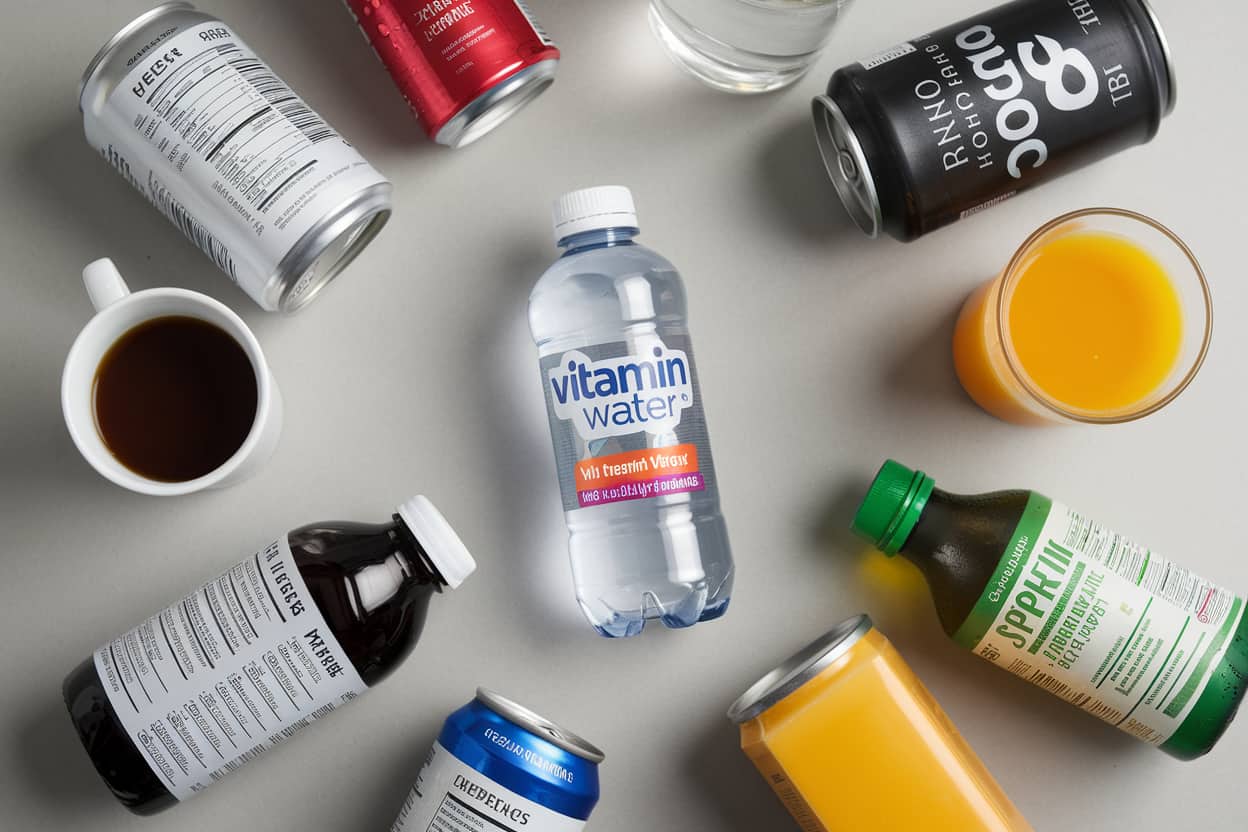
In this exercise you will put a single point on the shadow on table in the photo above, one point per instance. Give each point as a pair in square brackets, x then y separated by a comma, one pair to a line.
[922, 377]
[61, 177]
[353, 84]
[829, 527]
[793, 181]
[39, 464]
[735, 796]
[392, 780]
[527, 501]
[56, 772]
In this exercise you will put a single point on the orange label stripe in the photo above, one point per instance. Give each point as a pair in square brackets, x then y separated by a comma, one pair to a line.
[636, 466]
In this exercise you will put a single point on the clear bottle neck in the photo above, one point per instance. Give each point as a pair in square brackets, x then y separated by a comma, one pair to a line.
[598, 238]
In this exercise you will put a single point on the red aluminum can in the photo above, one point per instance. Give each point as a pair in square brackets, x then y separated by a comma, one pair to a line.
[465, 66]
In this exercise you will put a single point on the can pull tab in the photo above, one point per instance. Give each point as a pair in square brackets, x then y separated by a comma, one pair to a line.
[104, 283]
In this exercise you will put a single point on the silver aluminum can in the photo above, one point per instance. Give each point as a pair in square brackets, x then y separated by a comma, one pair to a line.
[203, 128]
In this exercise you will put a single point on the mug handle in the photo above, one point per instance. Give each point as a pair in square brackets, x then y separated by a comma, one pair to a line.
[104, 284]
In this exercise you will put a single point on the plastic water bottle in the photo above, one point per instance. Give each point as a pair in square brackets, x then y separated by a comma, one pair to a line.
[640, 496]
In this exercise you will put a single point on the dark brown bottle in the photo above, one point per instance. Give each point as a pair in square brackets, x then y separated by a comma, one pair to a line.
[248, 659]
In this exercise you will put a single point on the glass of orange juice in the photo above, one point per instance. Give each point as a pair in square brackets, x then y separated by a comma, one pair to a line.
[1102, 316]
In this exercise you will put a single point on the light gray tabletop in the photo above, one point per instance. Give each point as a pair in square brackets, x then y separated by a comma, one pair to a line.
[821, 352]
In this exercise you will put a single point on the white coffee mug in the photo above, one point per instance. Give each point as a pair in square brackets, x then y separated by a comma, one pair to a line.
[117, 312]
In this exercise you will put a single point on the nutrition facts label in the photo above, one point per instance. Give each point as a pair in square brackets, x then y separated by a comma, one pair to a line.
[226, 673]
[450, 796]
[227, 151]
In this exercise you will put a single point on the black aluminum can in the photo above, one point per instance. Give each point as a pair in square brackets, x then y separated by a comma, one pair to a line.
[948, 124]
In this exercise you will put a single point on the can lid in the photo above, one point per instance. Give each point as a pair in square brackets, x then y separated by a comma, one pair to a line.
[539, 725]
[892, 506]
[449, 554]
[847, 165]
[799, 669]
[1171, 81]
[322, 253]
[591, 209]
[123, 33]
[497, 104]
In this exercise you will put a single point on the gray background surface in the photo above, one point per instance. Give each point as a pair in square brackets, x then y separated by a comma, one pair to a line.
[821, 352]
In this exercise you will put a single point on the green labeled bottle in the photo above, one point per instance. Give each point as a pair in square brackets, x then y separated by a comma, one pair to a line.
[1054, 597]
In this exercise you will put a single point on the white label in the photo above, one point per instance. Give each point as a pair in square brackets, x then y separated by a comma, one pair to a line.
[228, 672]
[1104, 623]
[452, 797]
[216, 141]
[889, 55]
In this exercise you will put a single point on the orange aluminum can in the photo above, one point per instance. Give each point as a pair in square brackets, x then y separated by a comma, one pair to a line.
[849, 739]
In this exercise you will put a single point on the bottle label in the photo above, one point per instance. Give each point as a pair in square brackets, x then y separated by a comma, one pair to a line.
[1106, 624]
[627, 422]
[450, 796]
[220, 145]
[228, 672]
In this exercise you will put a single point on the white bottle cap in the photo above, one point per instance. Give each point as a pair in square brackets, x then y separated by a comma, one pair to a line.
[449, 554]
[590, 209]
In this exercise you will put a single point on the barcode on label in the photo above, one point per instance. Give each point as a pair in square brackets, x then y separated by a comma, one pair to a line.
[1074, 696]
[282, 99]
[992, 203]
[1141, 730]
[1148, 570]
[537, 27]
[1042, 679]
[899, 51]
[191, 227]
[238, 762]
[289, 730]
[1105, 711]
[1059, 688]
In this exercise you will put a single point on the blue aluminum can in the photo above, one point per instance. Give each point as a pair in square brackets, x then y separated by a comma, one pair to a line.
[501, 767]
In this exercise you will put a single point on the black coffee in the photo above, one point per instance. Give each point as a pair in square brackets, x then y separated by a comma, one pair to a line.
[174, 398]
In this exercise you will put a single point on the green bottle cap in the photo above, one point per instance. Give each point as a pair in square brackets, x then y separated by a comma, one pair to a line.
[892, 506]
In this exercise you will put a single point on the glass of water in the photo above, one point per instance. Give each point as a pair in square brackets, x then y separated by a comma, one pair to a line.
[745, 46]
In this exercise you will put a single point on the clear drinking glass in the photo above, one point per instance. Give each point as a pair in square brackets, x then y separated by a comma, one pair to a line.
[988, 364]
[745, 46]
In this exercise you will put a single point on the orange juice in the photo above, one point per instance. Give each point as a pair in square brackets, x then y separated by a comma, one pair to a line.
[843, 725]
[1091, 324]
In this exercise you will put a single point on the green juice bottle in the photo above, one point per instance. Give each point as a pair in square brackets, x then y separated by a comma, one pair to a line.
[1052, 596]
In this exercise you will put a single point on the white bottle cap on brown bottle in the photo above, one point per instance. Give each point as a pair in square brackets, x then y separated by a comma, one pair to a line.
[446, 551]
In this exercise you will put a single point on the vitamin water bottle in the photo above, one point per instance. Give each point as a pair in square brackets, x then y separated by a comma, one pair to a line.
[646, 536]
[269, 647]
[1054, 597]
